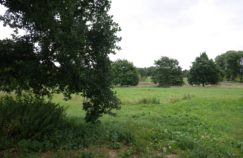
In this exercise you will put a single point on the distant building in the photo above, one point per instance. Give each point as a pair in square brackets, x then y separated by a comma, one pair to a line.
[241, 61]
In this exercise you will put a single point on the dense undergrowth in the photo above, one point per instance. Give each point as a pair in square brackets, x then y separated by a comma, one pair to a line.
[29, 125]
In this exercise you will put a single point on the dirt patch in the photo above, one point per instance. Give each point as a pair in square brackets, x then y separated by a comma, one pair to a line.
[171, 156]
[112, 154]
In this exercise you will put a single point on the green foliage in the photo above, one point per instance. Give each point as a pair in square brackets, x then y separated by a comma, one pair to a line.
[124, 73]
[229, 64]
[203, 71]
[29, 118]
[20, 61]
[210, 151]
[117, 138]
[64, 49]
[26, 146]
[72, 135]
[185, 73]
[193, 135]
[167, 72]
[145, 73]
[87, 154]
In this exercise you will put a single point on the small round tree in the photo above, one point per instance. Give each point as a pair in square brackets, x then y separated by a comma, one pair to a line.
[124, 73]
[203, 71]
[167, 72]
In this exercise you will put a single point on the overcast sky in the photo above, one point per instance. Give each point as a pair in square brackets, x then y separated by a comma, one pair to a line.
[180, 29]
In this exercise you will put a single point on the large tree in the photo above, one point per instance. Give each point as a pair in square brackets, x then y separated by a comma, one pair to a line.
[167, 72]
[64, 49]
[124, 73]
[203, 71]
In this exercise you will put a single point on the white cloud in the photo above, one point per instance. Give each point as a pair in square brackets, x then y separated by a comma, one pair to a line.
[178, 29]
[5, 32]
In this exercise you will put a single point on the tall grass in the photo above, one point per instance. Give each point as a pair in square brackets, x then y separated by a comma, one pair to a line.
[144, 100]
[202, 122]
[29, 117]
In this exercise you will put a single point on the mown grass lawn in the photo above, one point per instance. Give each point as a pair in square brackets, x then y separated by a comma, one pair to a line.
[176, 122]
[153, 122]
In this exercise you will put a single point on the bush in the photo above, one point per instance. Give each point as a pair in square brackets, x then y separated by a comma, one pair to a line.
[29, 124]
[118, 136]
[28, 117]
[124, 73]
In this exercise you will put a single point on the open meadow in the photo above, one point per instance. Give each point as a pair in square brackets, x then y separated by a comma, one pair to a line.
[153, 122]
[121, 79]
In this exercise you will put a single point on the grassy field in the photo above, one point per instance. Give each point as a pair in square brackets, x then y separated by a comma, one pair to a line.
[176, 122]
[156, 122]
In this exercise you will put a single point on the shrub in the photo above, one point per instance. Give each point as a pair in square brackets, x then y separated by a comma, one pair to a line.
[124, 73]
[121, 136]
[28, 117]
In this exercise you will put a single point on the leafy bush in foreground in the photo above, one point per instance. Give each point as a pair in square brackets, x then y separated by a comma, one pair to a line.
[28, 117]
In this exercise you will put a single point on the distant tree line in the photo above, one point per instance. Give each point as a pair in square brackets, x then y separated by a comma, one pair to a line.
[145, 73]
[167, 72]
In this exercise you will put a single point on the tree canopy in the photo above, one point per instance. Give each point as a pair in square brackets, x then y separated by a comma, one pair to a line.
[64, 49]
[167, 72]
[124, 73]
[229, 64]
[203, 71]
[144, 73]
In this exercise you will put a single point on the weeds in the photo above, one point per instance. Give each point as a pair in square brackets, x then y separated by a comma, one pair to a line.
[174, 100]
[150, 100]
[187, 96]
[177, 99]
[28, 117]
[194, 137]
[73, 136]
